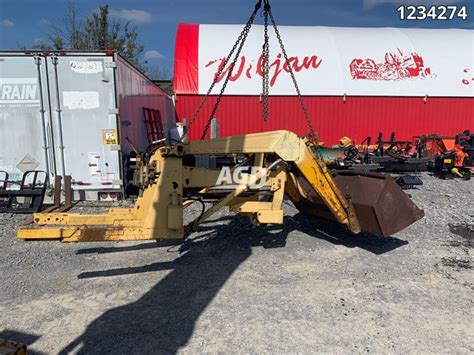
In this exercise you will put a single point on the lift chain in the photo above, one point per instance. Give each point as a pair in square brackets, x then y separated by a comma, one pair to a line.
[241, 39]
[265, 62]
[237, 46]
[237, 49]
[290, 68]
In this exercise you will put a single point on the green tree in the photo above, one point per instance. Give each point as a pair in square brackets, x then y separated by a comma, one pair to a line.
[96, 32]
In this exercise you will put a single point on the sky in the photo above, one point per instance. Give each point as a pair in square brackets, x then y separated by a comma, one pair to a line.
[24, 22]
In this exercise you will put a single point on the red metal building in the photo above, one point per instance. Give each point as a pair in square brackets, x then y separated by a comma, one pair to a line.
[356, 82]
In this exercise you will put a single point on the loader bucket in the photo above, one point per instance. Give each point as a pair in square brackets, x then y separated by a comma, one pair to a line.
[382, 208]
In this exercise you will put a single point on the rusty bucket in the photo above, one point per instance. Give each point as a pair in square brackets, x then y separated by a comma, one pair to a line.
[382, 208]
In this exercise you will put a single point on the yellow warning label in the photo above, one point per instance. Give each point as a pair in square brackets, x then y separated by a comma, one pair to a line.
[109, 136]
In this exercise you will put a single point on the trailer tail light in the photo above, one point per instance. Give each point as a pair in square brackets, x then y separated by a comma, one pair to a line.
[103, 196]
[108, 196]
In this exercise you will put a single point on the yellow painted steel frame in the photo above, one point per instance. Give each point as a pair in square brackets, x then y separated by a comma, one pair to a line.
[262, 212]
[158, 213]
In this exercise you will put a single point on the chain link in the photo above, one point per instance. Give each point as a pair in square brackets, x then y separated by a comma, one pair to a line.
[290, 68]
[237, 46]
[265, 64]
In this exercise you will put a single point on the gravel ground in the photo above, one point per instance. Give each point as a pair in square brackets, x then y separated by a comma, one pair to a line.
[308, 286]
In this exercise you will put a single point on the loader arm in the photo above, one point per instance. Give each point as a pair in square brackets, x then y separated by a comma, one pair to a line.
[297, 154]
[172, 182]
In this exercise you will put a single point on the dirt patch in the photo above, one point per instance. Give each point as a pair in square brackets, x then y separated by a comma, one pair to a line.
[457, 263]
[466, 232]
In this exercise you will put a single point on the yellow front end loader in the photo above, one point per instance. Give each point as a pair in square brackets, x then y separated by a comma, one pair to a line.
[171, 180]
[287, 166]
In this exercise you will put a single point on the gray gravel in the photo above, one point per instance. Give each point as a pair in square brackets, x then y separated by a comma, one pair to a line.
[307, 286]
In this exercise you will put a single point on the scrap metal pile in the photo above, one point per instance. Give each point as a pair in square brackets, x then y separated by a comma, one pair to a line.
[445, 157]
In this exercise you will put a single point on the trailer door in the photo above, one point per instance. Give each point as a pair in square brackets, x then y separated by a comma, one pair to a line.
[25, 121]
[83, 91]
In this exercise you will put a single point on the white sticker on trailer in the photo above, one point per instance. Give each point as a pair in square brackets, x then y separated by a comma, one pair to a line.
[86, 67]
[27, 163]
[85, 100]
[107, 176]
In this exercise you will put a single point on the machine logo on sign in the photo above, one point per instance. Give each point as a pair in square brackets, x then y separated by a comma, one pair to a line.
[397, 66]
[19, 92]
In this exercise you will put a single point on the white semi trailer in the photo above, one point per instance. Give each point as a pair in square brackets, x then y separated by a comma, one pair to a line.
[75, 113]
